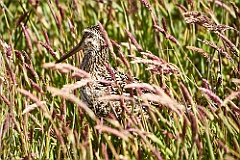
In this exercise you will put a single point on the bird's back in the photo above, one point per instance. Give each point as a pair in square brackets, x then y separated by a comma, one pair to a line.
[106, 81]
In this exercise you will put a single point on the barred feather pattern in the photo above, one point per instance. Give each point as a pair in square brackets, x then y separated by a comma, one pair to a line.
[96, 63]
[104, 84]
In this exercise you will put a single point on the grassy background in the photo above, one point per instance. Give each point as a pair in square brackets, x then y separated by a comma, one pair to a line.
[189, 72]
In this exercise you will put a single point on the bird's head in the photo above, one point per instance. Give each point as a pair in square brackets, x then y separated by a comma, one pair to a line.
[92, 41]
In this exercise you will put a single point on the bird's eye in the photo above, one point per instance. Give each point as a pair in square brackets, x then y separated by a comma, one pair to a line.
[85, 33]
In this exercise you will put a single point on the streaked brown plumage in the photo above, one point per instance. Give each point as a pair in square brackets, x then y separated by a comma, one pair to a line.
[96, 63]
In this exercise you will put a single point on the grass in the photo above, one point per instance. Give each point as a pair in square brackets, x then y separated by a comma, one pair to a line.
[188, 51]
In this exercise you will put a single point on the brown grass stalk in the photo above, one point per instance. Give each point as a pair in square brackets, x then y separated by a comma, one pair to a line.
[221, 144]
[104, 151]
[55, 16]
[182, 7]
[109, 69]
[211, 95]
[74, 99]
[36, 100]
[6, 125]
[199, 146]
[224, 6]
[8, 103]
[49, 49]
[105, 36]
[32, 70]
[31, 107]
[36, 86]
[147, 4]
[18, 55]
[26, 57]
[236, 9]
[11, 73]
[125, 61]
[46, 36]
[230, 97]
[186, 94]
[165, 32]
[65, 68]
[27, 37]
[121, 134]
[76, 85]
[194, 125]
[134, 41]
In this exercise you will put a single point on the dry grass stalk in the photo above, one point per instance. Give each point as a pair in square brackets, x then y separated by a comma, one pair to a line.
[36, 86]
[72, 28]
[75, 4]
[165, 32]
[27, 37]
[115, 98]
[219, 49]
[191, 3]
[125, 61]
[147, 4]
[9, 53]
[184, 128]
[27, 58]
[186, 93]
[60, 9]
[31, 107]
[224, 6]
[32, 70]
[46, 36]
[201, 19]
[182, 7]
[76, 85]
[21, 18]
[165, 100]
[55, 16]
[142, 86]
[199, 146]
[211, 95]
[74, 99]
[229, 44]
[49, 49]
[230, 97]
[220, 143]
[104, 151]
[236, 9]
[65, 68]
[36, 100]
[110, 71]
[18, 55]
[199, 50]
[198, 18]
[157, 65]
[204, 112]
[105, 36]
[122, 134]
[8, 103]
[134, 41]
[194, 125]
[11, 73]
[5, 127]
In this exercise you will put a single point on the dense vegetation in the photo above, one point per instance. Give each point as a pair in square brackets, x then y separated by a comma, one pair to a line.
[185, 52]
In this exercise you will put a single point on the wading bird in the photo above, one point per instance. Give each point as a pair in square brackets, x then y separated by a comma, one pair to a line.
[96, 63]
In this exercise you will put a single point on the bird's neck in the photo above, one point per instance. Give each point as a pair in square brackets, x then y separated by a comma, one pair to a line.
[94, 60]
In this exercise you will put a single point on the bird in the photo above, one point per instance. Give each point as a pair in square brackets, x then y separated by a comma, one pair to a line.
[96, 63]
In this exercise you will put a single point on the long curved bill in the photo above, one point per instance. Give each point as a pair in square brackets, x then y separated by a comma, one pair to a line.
[77, 48]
